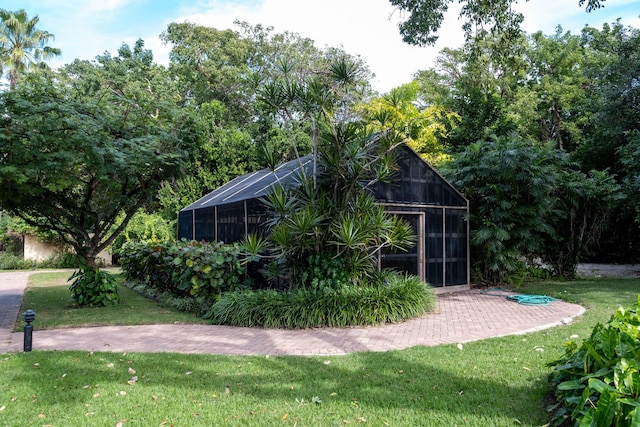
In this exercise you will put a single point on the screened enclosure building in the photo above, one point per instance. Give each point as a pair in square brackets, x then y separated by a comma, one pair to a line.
[418, 194]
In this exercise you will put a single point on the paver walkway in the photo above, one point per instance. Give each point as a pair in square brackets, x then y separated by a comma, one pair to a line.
[460, 317]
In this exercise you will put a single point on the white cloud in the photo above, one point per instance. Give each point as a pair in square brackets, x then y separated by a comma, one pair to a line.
[105, 5]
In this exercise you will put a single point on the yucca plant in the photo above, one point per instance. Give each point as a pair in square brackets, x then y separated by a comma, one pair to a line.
[332, 213]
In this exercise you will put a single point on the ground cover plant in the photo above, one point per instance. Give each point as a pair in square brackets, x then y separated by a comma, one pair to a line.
[208, 279]
[496, 382]
[48, 295]
[598, 382]
[394, 299]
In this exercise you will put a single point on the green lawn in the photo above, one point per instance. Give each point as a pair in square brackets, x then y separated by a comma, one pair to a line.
[495, 382]
[48, 295]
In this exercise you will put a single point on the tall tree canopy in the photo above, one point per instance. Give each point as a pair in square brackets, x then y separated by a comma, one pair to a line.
[497, 17]
[83, 148]
[236, 81]
[22, 44]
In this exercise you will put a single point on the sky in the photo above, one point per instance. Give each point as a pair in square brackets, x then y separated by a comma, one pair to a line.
[368, 28]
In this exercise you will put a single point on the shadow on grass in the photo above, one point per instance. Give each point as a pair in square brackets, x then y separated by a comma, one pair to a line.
[396, 384]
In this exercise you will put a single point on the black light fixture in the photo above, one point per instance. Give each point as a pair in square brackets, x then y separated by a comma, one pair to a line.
[28, 316]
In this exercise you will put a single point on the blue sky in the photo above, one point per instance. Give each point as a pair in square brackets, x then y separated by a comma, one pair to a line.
[86, 28]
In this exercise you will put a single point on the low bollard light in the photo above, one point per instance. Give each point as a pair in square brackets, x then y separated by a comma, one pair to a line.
[28, 316]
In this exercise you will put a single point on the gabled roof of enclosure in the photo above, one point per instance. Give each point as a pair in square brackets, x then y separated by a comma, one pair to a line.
[256, 184]
[416, 183]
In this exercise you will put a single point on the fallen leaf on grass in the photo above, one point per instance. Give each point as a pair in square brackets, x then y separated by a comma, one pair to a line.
[131, 371]
[109, 365]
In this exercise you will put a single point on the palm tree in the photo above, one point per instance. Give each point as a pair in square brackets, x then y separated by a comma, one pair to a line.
[22, 45]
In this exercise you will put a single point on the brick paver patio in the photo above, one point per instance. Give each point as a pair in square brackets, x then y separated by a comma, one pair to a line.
[460, 317]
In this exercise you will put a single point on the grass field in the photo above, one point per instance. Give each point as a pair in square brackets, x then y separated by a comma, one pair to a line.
[48, 295]
[494, 382]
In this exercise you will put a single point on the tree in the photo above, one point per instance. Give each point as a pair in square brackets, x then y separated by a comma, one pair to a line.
[580, 215]
[611, 141]
[424, 127]
[477, 83]
[22, 45]
[85, 147]
[225, 77]
[510, 184]
[329, 230]
[556, 76]
[496, 17]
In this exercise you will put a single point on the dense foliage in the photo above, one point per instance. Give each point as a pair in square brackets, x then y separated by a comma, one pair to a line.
[209, 279]
[85, 147]
[91, 287]
[598, 382]
[552, 119]
[528, 201]
[509, 183]
[202, 271]
[387, 298]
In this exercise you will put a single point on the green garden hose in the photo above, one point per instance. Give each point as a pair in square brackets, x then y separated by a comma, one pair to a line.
[520, 299]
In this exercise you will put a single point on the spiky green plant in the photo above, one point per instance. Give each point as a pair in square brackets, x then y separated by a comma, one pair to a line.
[332, 213]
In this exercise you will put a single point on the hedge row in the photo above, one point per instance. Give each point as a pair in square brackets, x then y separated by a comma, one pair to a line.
[200, 270]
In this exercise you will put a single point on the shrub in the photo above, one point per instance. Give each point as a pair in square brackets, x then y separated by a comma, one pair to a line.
[510, 183]
[199, 270]
[391, 298]
[205, 270]
[146, 262]
[93, 288]
[61, 260]
[598, 382]
[145, 227]
[9, 261]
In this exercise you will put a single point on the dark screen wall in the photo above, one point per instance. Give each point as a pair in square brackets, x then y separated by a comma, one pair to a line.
[418, 194]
